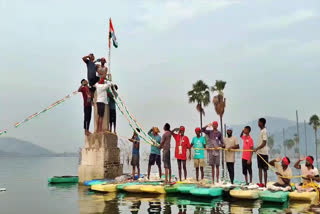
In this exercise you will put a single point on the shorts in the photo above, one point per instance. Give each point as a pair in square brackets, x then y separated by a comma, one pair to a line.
[246, 167]
[261, 163]
[112, 114]
[213, 160]
[166, 159]
[198, 163]
[135, 160]
[101, 108]
[154, 158]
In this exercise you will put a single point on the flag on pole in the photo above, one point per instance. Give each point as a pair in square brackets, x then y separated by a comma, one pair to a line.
[112, 35]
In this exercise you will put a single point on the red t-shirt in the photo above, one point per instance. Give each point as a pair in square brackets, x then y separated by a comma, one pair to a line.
[85, 94]
[185, 144]
[247, 145]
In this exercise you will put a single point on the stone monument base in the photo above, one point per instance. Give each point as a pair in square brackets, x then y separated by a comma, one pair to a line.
[100, 157]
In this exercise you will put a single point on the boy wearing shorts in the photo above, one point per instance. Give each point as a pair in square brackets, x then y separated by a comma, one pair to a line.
[247, 155]
[199, 144]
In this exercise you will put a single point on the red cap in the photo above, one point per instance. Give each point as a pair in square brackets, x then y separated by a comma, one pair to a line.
[182, 128]
[285, 161]
[197, 130]
[215, 123]
[309, 159]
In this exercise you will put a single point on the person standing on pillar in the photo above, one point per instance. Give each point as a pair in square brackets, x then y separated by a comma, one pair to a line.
[199, 144]
[135, 160]
[102, 100]
[91, 69]
[102, 68]
[215, 141]
[165, 145]
[182, 144]
[87, 103]
[155, 157]
[230, 142]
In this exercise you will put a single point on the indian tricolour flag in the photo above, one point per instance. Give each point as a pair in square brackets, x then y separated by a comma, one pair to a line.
[112, 35]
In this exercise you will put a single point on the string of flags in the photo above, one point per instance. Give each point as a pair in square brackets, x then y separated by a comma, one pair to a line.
[16, 125]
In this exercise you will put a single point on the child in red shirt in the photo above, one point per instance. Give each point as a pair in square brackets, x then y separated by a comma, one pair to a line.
[247, 155]
[182, 144]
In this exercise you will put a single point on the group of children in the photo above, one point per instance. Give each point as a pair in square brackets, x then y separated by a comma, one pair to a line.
[98, 80]
[213, 142]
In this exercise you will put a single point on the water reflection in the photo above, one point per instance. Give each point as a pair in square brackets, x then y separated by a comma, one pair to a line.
[110, 203]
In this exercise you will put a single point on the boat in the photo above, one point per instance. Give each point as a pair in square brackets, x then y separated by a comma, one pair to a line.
[120, 187]
[186, 188]
[303, 196]
[104, 187]
[171, 188]
[63, 179]
[251, 194]
[96, 181]
[133, 188]
[278, 196]
[207, 192]
[155, 189]
[3, 189]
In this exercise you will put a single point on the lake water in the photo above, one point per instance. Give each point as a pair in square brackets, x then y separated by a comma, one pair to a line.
[29, 192]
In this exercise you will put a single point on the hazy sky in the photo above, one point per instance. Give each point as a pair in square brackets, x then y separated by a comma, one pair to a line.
[267, 51]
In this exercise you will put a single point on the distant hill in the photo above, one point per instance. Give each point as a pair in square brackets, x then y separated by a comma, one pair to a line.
[15, 147]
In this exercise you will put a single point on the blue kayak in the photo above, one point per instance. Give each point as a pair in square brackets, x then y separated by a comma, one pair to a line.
[96, 181]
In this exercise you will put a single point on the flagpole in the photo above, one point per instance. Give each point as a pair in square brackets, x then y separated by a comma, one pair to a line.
[109, 53]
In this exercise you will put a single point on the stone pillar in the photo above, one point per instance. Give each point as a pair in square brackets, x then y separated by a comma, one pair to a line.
[100, 156]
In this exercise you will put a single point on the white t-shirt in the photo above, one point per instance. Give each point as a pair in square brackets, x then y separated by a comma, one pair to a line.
[286, 173]
[263, 137]
[305, 172]
[230, 142]
[102, 95]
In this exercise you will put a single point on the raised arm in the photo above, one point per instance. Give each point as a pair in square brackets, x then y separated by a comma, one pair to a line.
[297, 164]
[85, 59]
[204, 129]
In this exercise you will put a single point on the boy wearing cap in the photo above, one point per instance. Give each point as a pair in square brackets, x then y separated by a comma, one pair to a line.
[155, 151]
[308, 171]
[284, 172]
[215, 141]
[230, 142]
[247, 155]
[199, 144]
[262, 152]
[182, 144]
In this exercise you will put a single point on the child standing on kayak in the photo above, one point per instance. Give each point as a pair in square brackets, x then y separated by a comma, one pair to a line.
[199, 144]
[247, 155]
[135, 161]
[262, 152]
[215, 141]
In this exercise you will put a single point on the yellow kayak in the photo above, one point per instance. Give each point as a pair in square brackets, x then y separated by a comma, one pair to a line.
[133, 188]
[153, 189]
[104, 187]
[303, 196]
[244, 194]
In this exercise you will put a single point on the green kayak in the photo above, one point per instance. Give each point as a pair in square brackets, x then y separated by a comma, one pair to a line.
[172, 188]
[186, 188]
[63, 179]
[279, 196]
[207, 192]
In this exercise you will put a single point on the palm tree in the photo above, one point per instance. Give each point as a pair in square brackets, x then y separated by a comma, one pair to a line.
[315, 123]
[201, 96]
[296, 140]
[270, 142]
[219, 103]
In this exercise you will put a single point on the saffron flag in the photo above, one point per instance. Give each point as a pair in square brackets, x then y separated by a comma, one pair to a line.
[112, 35]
